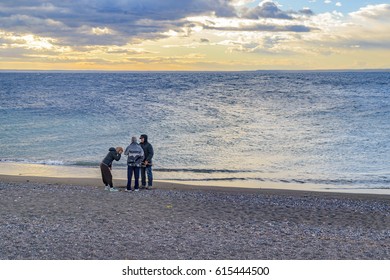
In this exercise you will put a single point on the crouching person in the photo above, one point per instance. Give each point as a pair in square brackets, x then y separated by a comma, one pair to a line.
[106, 167]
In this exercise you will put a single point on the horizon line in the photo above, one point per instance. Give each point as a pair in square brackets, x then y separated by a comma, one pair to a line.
[199, 71]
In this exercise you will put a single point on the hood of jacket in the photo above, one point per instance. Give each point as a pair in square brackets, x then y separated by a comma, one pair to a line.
[145, 138]
[112, 149]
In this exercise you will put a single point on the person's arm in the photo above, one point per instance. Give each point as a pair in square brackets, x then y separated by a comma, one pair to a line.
[151, 153]
[117, 156]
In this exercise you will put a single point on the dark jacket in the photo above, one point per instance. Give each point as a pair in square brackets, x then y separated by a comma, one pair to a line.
[148, 149]
[112, 154]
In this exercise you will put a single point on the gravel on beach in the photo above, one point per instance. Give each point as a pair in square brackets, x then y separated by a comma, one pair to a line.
[66, 222]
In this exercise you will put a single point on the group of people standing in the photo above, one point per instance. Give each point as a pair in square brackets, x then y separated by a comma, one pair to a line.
[139, 160]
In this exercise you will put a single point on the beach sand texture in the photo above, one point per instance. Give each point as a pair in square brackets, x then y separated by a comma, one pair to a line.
[52, 219]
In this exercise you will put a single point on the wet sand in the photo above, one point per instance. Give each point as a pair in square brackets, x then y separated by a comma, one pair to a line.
[73, 218]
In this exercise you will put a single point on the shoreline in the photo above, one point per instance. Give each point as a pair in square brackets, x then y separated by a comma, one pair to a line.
[79, 175]
[169, 185]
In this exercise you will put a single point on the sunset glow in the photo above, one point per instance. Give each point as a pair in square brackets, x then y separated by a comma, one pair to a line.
[194, 35]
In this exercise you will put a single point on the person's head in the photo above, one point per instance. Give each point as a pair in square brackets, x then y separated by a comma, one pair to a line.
[119, 150]
[133, 139]
[143, 138]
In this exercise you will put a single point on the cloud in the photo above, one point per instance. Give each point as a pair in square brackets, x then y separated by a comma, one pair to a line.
[265, 17]
[374, 12]
[369, 27]
[263, 27]
[323, 34]
[117, 22]
[335, 33]
[101, 22]
[31, 42]
[119, 32]
[306, 11]
[269, 44]
[266, 9]
[241, 2]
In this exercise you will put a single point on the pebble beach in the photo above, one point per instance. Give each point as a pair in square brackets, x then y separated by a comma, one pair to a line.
[78, 220]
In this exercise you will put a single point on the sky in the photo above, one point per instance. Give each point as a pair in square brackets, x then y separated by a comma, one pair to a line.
[189, 35]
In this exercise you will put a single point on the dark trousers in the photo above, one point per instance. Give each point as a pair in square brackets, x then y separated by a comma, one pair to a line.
[130, 171]
[146, 170]
[106, 175]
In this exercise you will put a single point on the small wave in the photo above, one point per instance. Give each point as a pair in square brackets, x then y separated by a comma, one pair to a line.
[44, 162]
[200, 170]
[53, 162]
[375, 181]
[208, 179]
[368, 184]
[86, 163]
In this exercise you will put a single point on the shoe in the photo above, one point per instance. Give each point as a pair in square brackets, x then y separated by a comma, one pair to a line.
[126, 190]
[107, 188]
[136, 190]
[113, 190]
[149, 187]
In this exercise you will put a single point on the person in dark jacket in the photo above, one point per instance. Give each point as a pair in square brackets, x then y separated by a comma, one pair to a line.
[146, 166]
[135, 157]
[106, 167]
